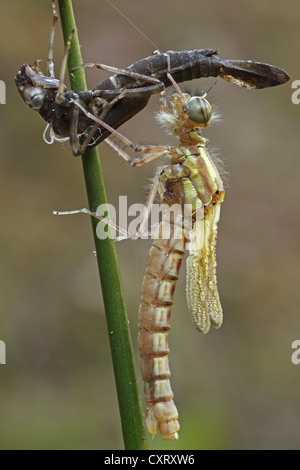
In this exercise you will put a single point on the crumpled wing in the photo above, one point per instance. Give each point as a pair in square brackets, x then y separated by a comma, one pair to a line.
[201, 285]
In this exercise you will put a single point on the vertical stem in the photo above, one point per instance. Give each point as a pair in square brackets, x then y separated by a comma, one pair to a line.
[132, 420]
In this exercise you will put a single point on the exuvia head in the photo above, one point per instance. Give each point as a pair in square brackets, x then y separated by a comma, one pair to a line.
[32, 86]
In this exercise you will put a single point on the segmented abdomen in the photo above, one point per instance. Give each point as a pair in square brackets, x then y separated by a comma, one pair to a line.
[164, 261]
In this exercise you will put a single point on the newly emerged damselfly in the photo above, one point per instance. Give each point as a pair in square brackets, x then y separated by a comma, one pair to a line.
[189, 184]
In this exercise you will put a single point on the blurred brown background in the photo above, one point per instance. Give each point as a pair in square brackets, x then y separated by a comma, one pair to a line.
[236, 388]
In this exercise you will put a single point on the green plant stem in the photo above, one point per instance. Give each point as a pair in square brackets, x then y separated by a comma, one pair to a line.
[132, 420]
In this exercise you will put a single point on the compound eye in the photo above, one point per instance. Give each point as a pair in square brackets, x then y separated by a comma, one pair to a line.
[199, 110]
[37, 101]
[34, 97]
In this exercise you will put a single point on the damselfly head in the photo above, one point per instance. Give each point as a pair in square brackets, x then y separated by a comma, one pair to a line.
[199, 111]
[190, 115]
